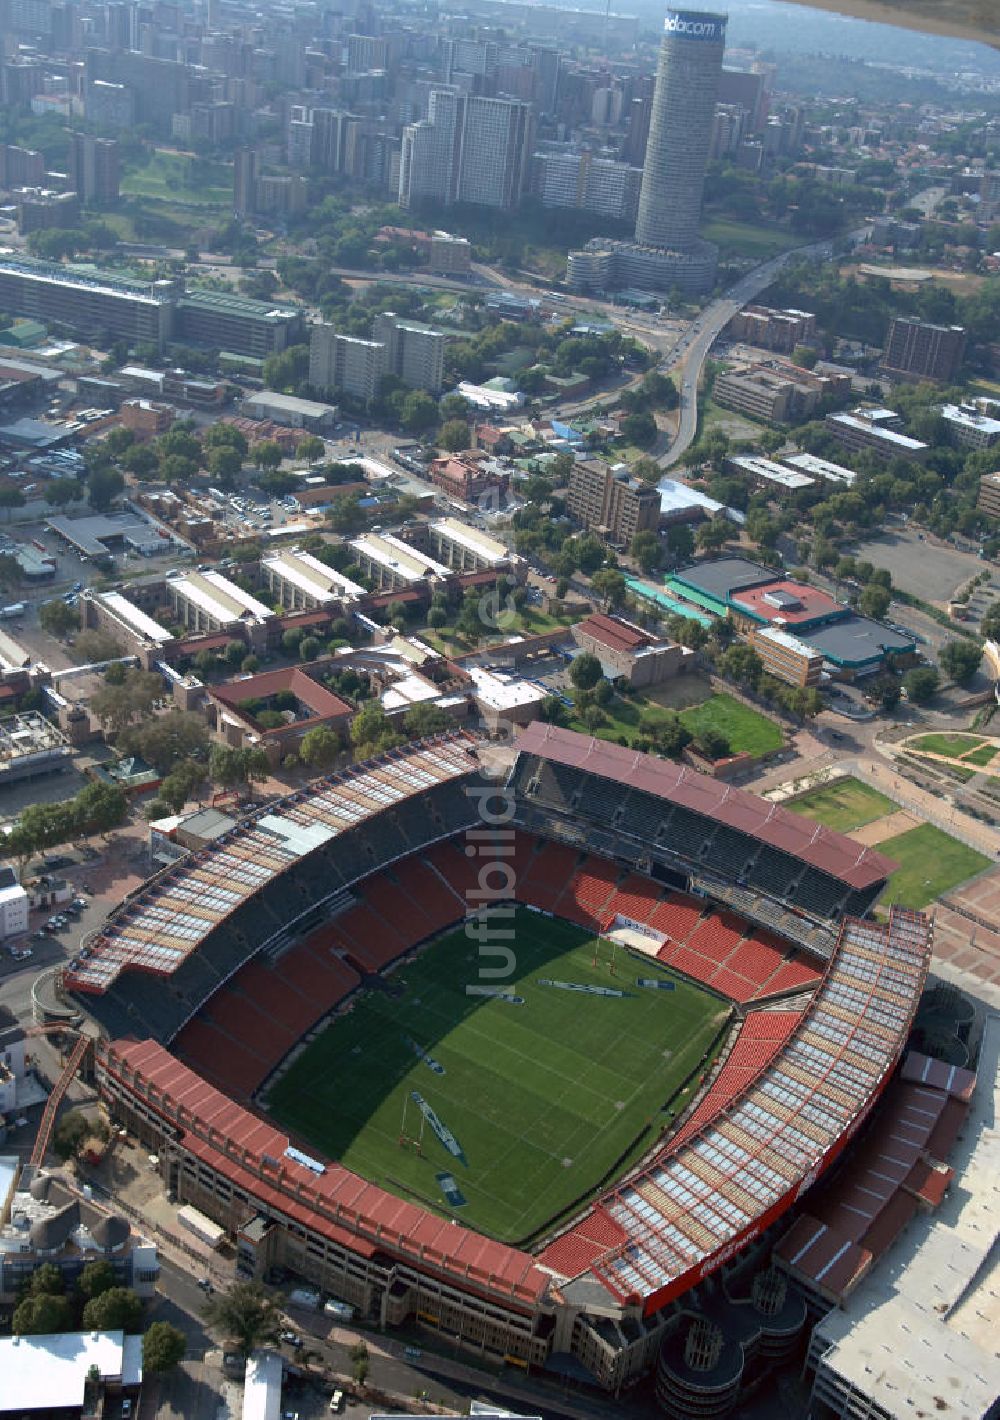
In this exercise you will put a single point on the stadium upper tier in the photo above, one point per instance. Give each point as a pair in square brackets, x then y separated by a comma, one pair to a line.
[653, 1238]
[677, 814]
[180, 936]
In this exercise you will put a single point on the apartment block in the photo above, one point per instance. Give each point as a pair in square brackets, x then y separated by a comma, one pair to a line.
[917, 350]
[301, 582]
[413, 351]
[393, 565]
[969, 427]
[342, 363]
[773, 329]
[763, 394]
[224, 321]
[449, 255]
[786, 657]
[989, 495]
[611, 503]
[93, 169]
[863, 429]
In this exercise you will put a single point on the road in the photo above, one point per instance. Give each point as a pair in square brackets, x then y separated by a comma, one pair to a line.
[692, 349]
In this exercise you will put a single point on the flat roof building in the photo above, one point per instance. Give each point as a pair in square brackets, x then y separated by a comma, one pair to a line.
[855, 646]
[989, 495]
[49, 1374]
[767, 471]
[301, 582]
[969, 427]
[96, 535]
[344, 363]
[224, 321]
[289, 410]
[868, 429]
[208, 601]
[89, 303]
[822, 468]
[790, 605]
[116, 614]
[392, 563]
[918, 350]
[786, 657]
[465, 549]
[611, 502]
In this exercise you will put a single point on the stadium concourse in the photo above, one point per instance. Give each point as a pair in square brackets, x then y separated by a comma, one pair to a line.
[213, 972]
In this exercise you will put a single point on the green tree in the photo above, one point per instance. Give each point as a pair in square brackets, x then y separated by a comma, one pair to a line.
[310, 448]
[453, 435]
[245, 1314]
[42, 1316]
[117, 1309]
[359, 1362]
[224, 463]
[70, 1133]
[421, 720]
[167, 740]
[104, 485]
[11, 498]
[713, 534]
[100, 807]
[141, 460]
[921, 684]
[585, 671]
[960, 660]
[610, 586]
[320, 747]
[47, 1281]
[60, 491]
[743, 664]
[96, 1277]
[640, 429]
[267, 454]
[163, 1348]
[647, 550]
[419, 412]
[712, 743]
[874, 601]
[680, 541]
[57, 618]
[310, 647]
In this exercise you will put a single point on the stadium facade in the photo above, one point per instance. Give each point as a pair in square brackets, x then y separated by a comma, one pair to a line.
[212, 973]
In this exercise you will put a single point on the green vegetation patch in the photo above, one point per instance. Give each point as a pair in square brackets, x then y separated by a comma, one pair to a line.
[172, 177]
[843, 805]
[951, 746]
[985, 754]
[749, 239]
[543, 1098]
[745, 729]
[930, 863]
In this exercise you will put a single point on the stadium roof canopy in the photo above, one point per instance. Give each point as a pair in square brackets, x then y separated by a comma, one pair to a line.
[832, 853]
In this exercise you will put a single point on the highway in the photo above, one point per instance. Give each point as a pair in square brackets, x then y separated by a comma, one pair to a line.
[692, 348]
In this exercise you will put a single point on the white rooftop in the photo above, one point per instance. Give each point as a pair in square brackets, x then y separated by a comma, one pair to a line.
[399, 556]
[822, 468]
[772, 472]
[923, 1324]
[866, 426]
[504, 692]
[312, 576]
[262, 1386]
[970, 418]
[477, 542]
[135, 617]
[223, 600]
[50, 1372]
[778, 637]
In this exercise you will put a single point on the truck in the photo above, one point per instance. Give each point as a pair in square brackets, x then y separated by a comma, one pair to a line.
[7, 613]
[203, 1228]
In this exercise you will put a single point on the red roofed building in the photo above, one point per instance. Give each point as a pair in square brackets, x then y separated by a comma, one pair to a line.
[302, 702]
[624, 649]
[466, 476]
[784, 603]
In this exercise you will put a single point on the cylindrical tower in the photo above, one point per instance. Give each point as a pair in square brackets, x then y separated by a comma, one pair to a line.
[680, 130]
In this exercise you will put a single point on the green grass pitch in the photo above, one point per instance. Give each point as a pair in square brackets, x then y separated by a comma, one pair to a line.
[543, 1097]
[843, 804]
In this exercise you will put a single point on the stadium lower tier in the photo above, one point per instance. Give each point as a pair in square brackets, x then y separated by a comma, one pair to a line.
[248, 1027]
[788, 1095]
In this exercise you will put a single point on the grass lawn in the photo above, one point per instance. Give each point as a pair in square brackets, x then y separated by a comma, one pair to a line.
[749, 238]
[744, 728]
[173, 178]
[984, 755]
[627, 718]
[843, 805]
[541, 1098]
[952, 746]
[529, 622]
[930, 863]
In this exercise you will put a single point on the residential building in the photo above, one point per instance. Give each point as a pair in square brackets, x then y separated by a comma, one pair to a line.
[244, 181]
[583, 180]
[767, 473]
[764, 393]
[208, 601]
[289, 410]
[470, 477]
[989, 495]
[21, 167]
[96, 305]
[39, 209]
[342, 363]
[392, 564]
[496, 145]
[431, 150]
[772, 329]
[466, 549]
[366, 52]
[301, 582]
[223, 320]
[861, 430]
[626, 650]
[413, 351]
[282, 195]
[970, 428]
[448, 255]
[918, 350]
[822, 468]
[786, 657]
[94, 169]
[146, 417]
[611, 503]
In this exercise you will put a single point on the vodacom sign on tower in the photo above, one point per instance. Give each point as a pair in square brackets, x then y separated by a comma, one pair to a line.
[695, 24]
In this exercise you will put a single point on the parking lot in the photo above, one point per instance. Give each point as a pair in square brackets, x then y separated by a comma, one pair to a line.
[921, 565]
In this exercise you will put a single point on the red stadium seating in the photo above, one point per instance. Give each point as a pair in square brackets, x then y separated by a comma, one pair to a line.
[761, 1036]
[636, 898]
[676, 916]
[586, 898]
[716, 936]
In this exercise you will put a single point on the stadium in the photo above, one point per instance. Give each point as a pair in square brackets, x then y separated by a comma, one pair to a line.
[527, 1045]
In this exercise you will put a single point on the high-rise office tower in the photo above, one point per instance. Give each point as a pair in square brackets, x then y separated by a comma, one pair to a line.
[667, 251]
[93, 168]
[496, 149]
[680, 129]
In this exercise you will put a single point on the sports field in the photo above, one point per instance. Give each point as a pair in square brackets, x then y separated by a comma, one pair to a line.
[930, 863]
[538, 1096]
[745, 728]
[844, 804]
